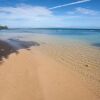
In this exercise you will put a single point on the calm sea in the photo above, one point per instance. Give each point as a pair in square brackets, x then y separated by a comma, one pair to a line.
[88, 35]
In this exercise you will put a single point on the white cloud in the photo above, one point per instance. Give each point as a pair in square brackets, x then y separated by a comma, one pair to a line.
[24, 11]
[26, 15]
[83, 11]
[37, 16]
[86, 11]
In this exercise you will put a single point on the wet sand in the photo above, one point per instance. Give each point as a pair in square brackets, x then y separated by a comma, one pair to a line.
[34, 75]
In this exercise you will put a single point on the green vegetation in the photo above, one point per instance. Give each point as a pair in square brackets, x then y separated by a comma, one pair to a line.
[3, 27]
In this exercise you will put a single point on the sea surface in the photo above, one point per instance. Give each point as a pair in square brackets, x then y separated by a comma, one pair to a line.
[91, 36]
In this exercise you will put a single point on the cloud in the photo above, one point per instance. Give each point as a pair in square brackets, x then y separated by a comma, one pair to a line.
[24, 11]
[83, 11]
[25, 15]
[37, 16]
[86, 11]
[28, 16]
[68, 4]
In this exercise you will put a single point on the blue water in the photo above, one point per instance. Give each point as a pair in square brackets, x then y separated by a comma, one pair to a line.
[88, 35]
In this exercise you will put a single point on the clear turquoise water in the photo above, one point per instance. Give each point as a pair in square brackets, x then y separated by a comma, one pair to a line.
[91, 36]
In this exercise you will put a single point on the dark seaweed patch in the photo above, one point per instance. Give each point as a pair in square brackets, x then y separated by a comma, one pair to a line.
[96, 44]
[13, 45]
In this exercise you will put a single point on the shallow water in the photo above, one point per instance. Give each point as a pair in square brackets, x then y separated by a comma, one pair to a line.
[91, 36]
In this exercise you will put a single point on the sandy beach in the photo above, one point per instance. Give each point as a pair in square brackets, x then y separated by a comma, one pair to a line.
[49, 49]
[34, 74]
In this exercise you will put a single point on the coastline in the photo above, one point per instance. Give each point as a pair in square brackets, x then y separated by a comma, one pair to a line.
[32, 74]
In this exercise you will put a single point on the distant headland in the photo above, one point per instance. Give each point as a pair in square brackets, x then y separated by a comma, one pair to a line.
[3, 27]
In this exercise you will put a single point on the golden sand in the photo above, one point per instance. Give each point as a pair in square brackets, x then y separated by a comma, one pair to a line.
[33, 75]
[81, 58]
[78, 56]
[55, 70]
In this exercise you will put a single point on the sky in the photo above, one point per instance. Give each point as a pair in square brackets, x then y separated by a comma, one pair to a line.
[50, 13]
